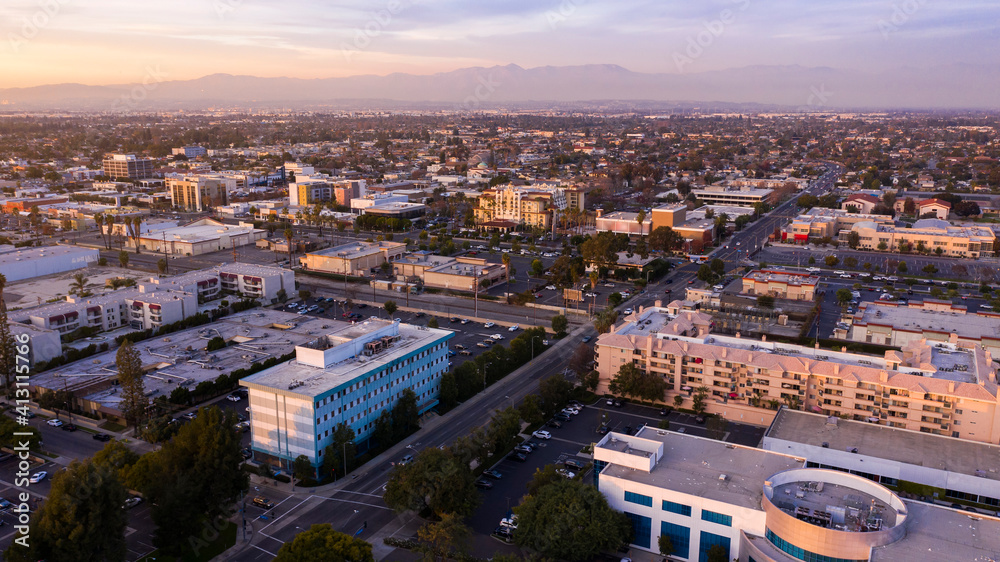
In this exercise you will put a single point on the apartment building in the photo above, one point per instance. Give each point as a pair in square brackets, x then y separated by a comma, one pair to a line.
[197, 193]
[310, 191]
[781, 284]
[350, 374]
[932, 387]
[768, 506]
[532, 206]
[355, 258]
[925, 236]
[159, 300]
[128, 166]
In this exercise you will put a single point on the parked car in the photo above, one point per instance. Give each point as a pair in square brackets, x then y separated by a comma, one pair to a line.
[454, 319]
[234, 398]
[484, 484]
[554, 423]
[132, 502]
[542, 434]
[405, 460]
[627, 430]
[488, 325]
[517, 457]
[466, 352]
[494, 474]
[38, 477]
[565, 473]
[562, 417]
[55, 423]
[69, 427]
[573, 463]
[103, 437]
[664, 411]
[514, 328]
[523, 449]
[586, 339]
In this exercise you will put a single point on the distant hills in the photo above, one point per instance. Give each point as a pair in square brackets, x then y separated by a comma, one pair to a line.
[963, 86]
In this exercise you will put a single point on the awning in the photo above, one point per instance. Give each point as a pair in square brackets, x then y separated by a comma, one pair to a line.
[685, 388]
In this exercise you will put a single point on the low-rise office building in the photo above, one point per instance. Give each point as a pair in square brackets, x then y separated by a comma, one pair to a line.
[925, 236]
[781, 284]
[940, 388]
[197, 193]
[739, 196]
[355, 258]
[623, 222]
[759, 505]
[890, 323]
[128, 166]
[958, 470]
[820, 222]
[444, 272]
[350, 374]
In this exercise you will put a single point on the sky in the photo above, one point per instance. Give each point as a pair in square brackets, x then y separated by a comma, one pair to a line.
[118, 41]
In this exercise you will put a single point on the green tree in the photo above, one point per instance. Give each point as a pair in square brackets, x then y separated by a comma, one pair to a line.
[123, 258]
[8, 430]
[902, 267]
[554, 392]
[543, 476]
[831, 261]
[8, 355]
[706, 274]
[844, 296]
[882, 246]
[633, 382]
[569, 520]
[537, 268]
[82, 519]
[436, 480]
[339, 456]
[665, 239]
[302, 468]
[405, 415]
[79, 286]
[193, 479]
[443, 536]
[390, 307]
[134, 403]
[699, 402]
[678, 401]
[530, 409]
[161, 266]
[765, 301]
[666, 546]
[433, 322]
[614, 299]
[559, 325]
[718, 267]
[718, 553]
[605, 319]
[850, 262]
[812, 260]
[116, 457]
[321, 542]
[930, 269]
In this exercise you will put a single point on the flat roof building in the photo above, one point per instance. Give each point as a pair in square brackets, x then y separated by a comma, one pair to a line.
[940, 388]
[17, 264]
[354, 258]
[767, 506]
[886, 323]
[197, 193]
[128, 166]
[925, 236]
[445, 272]
[780, 284]
[350, 374]
[199, 237]
[739, 196]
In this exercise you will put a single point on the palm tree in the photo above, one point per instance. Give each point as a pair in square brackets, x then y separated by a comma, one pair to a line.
[8, 364]
[639, 218]
[79, 285]
[506, 263]
[593, 279]
[288, 238]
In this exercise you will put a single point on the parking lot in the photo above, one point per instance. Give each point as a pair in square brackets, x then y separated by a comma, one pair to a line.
[567, 443]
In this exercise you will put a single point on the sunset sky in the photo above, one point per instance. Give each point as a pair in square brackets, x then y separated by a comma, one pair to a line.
[117, 41]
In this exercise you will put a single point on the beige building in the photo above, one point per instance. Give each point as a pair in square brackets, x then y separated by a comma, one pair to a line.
[889, 323]
[821, 222]
[355, 258]
[461, 273]
[862, 203]
[128, 166]
[532, 206]
[199, 237]
[197, 193]
[926, 236]
[780, 284]
[939, 388]
[669, 215]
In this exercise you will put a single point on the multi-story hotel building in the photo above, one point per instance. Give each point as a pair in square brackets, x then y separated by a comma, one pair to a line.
[197, 193]
[763, 506]
[942, 388]
[128, 166]
[532, 206]
[349, 375]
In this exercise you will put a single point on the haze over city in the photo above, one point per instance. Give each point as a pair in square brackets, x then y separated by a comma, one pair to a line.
[925, 54]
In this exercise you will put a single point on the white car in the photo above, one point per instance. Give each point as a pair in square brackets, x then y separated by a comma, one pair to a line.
[609, 284]
[892, 278]
[489, 325]
[542, 434]
[565, 473]
[233, 398]
[840, 272]
[38, 477]
[55, 423]
[514, 328]
[550, 287]
[570, 411]
[628, 310]
[496, 337]
[813, 269]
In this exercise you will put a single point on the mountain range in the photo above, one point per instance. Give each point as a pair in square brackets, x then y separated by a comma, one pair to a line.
[959, 86]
